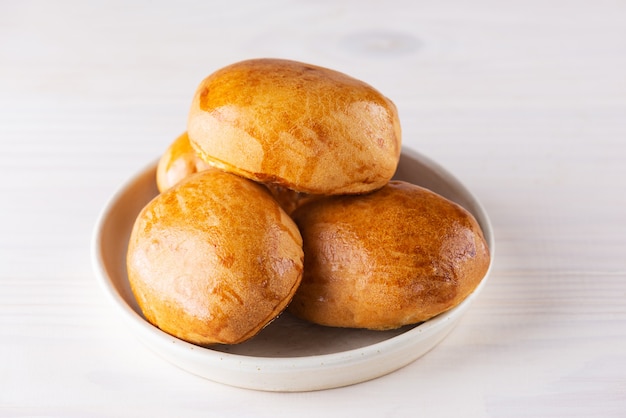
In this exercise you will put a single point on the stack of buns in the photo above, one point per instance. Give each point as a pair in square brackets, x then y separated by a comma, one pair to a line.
[279, 195]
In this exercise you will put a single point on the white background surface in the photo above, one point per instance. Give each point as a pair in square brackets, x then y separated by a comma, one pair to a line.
[524, 101]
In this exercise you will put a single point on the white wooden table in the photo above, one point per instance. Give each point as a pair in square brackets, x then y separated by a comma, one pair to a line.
[524, 101]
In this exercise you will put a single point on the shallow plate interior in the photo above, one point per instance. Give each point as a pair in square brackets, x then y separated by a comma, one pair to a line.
[289, 354]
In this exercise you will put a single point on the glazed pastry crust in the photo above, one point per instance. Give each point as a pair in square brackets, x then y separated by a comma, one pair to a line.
[178, 161]
[214, 259]
[397, 256]
[303, 127]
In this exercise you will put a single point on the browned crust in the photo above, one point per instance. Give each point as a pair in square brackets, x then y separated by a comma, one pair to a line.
[214, 259]
[177, 162]
[303, 127]
[398, 256]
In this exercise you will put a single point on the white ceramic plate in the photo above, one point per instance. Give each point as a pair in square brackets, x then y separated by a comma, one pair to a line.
[289, 354]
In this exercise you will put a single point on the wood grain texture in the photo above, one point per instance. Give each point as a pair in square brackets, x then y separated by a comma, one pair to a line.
[524, 101]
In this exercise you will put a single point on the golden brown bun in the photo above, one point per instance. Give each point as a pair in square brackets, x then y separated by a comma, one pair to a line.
[304, 127]
[180, 160]
[397, 256]
[214, 259]
[177, 162]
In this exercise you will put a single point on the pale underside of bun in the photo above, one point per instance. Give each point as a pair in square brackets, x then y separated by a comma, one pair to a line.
[395, 257]
[303, 127]
[214, 259]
